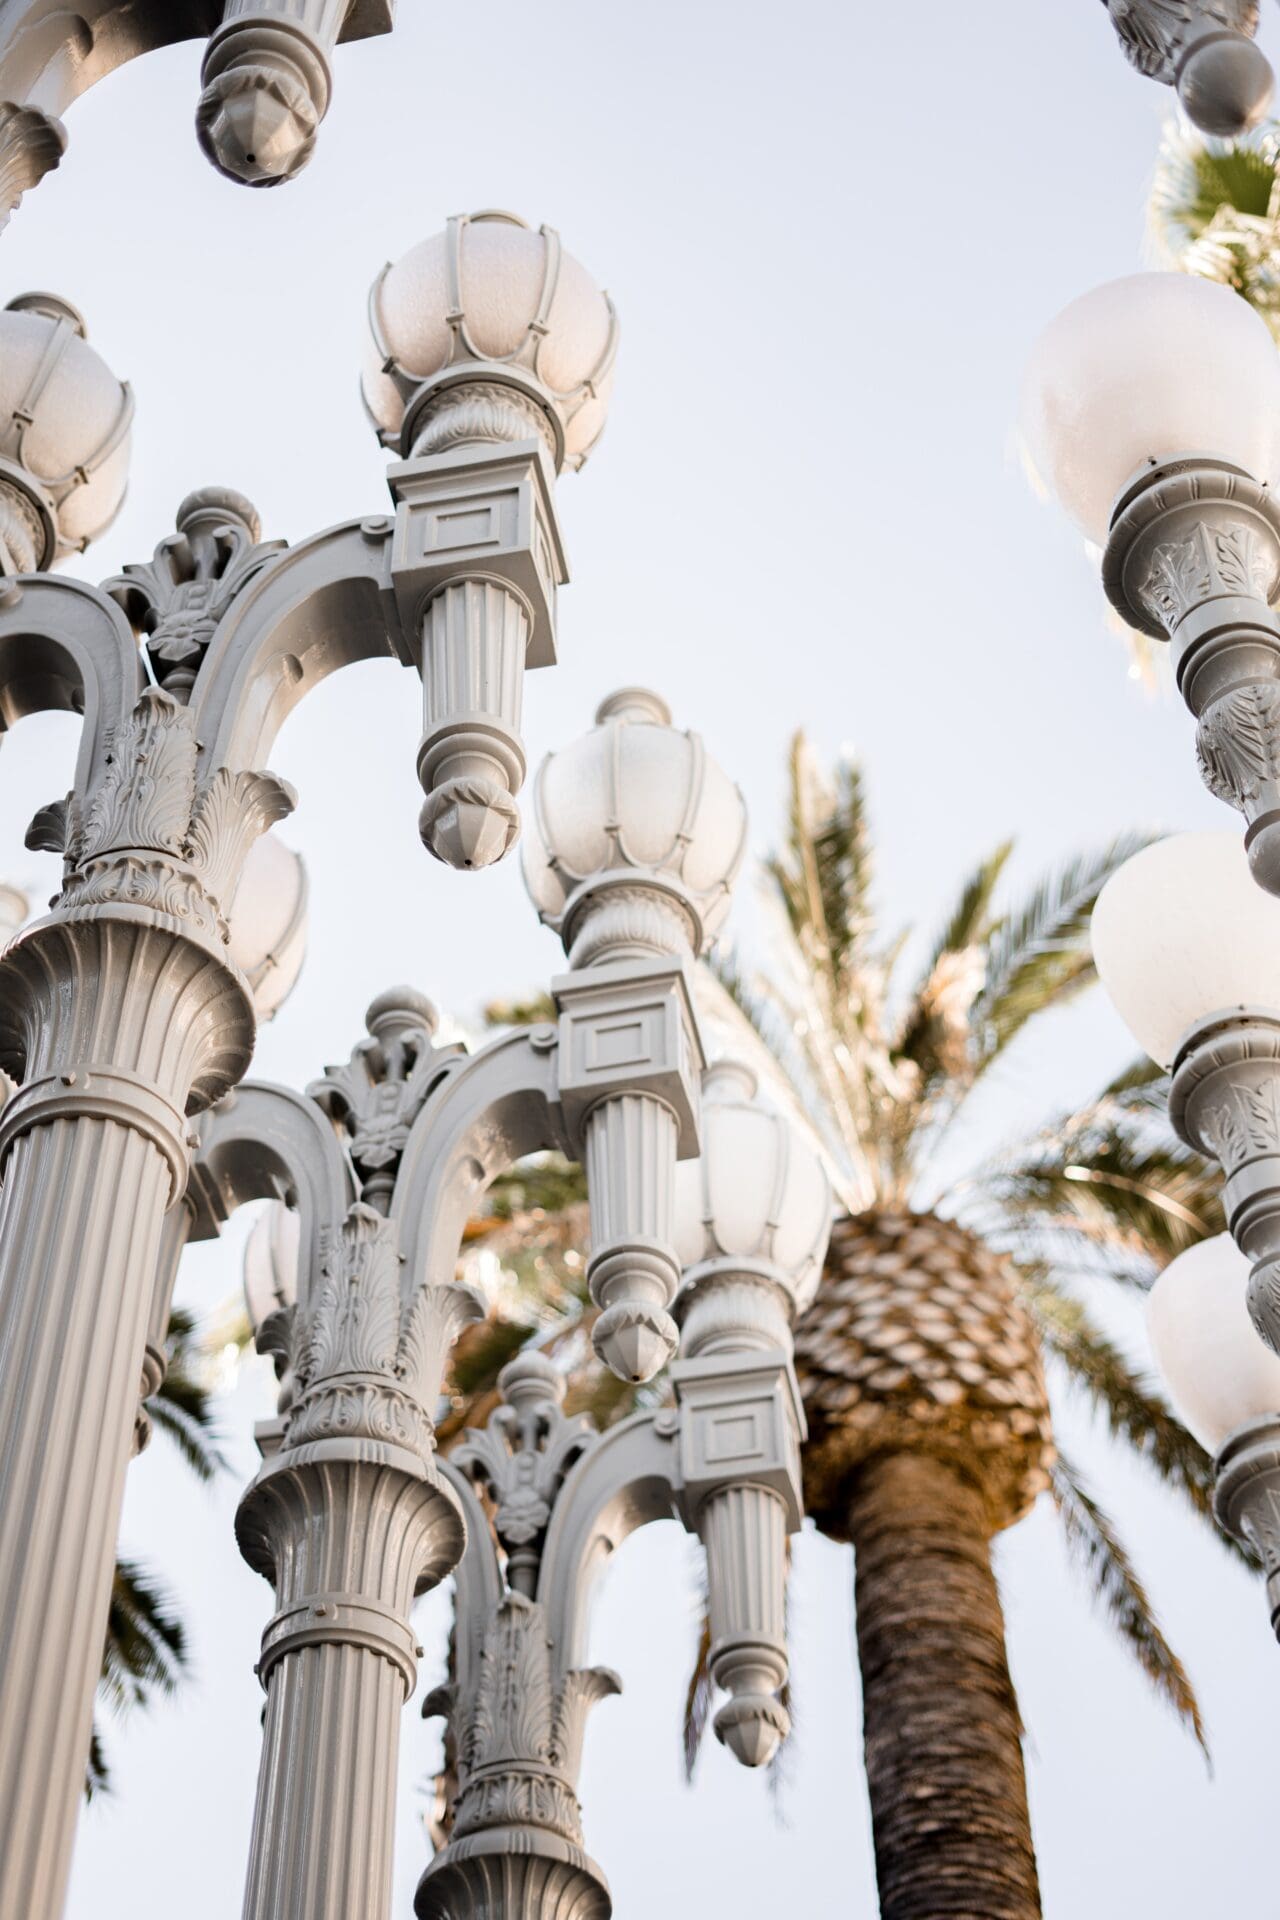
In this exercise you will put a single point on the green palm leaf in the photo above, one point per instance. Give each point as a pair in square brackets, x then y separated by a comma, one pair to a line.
[1131, 1410]
[1095, 1549]
[1039, 955]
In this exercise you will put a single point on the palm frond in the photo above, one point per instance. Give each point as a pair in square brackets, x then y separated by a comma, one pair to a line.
[1146, 1196]
[1039, 955]
[935, 1033]
[823, 875]
[145, 1654]
[1096, 1551]
[1133, 1412]
[182, 1405]
[698, 1695]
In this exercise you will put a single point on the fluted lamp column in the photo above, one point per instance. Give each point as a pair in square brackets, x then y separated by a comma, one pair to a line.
[488, 368]
[1225, 1388]
[1151, 408]
[753, 1216]
[1189, 951]
[636, 839]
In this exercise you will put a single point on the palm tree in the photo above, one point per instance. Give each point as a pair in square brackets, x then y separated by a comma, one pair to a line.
[145, 1654]
[947, 1309]
[1215, 211]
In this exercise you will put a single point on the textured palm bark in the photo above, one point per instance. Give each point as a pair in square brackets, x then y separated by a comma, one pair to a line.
[942, 1730]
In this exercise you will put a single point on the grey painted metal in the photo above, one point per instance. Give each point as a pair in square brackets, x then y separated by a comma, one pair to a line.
[267, 69]
[384, 1159]
[1246, 1498]
[1205, 49]
[124, 1016]
[562, 1498]
[1224, 1102]
[1193, 557]
[478, 559]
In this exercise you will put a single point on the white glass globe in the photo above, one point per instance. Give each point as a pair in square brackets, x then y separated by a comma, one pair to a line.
[271, 1262]
[1183, 931]
[758, 1192]
[1142, 369]
[1218, 1372]
[269, 923]
[635, 793]
[76, 414]
[502, 267]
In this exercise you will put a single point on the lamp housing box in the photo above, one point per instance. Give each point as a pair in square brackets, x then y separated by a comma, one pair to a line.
[741, 1424]
[629, 1027]
[474, 512]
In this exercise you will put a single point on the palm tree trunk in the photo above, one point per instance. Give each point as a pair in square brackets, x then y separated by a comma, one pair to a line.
[940, 1718]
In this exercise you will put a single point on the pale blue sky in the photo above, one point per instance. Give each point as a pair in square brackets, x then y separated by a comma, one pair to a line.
[832, 233]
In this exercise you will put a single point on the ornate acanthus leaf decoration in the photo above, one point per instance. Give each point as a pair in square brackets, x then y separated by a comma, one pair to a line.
[1245, 1123]
[378, 1094]
[148, 791]
[524, 1453]
[1208, 563]
[47, 832]
[367, 1363]
[31, 144]
[1238, 742]
[519, 1734]
[1260, 1524]
[1152, 31]
[176, 600]
[149, 834]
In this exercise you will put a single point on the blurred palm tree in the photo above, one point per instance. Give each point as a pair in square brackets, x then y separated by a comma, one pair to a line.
[145, 1655]
[952, 1297]
[1215, 211]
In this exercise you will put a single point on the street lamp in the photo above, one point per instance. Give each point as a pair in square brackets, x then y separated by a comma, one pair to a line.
[488, 368]
[1205, 49]
[124, 1011]
[384, 1160]
[1225, 1387]
[752, 1216]
[1151, 407]
[1189, 951]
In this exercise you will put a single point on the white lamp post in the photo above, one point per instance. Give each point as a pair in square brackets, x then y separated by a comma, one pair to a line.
[1225, 1387]
[636, 840]
[183, 670]
[1189, 951]
[1151, 407]
[488, 368]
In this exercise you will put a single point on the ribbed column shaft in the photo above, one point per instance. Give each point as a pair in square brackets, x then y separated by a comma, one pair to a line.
[80, 1215]
[475, 634]
[324, 1826]
[744, 1531]
[351, 1540]
[118, 1020]
[629, 1155]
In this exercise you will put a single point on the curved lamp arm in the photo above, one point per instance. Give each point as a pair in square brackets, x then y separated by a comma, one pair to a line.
[66, 647]
[315, 608]
[627, 1480]
[492, 1109]
[264, 1142]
